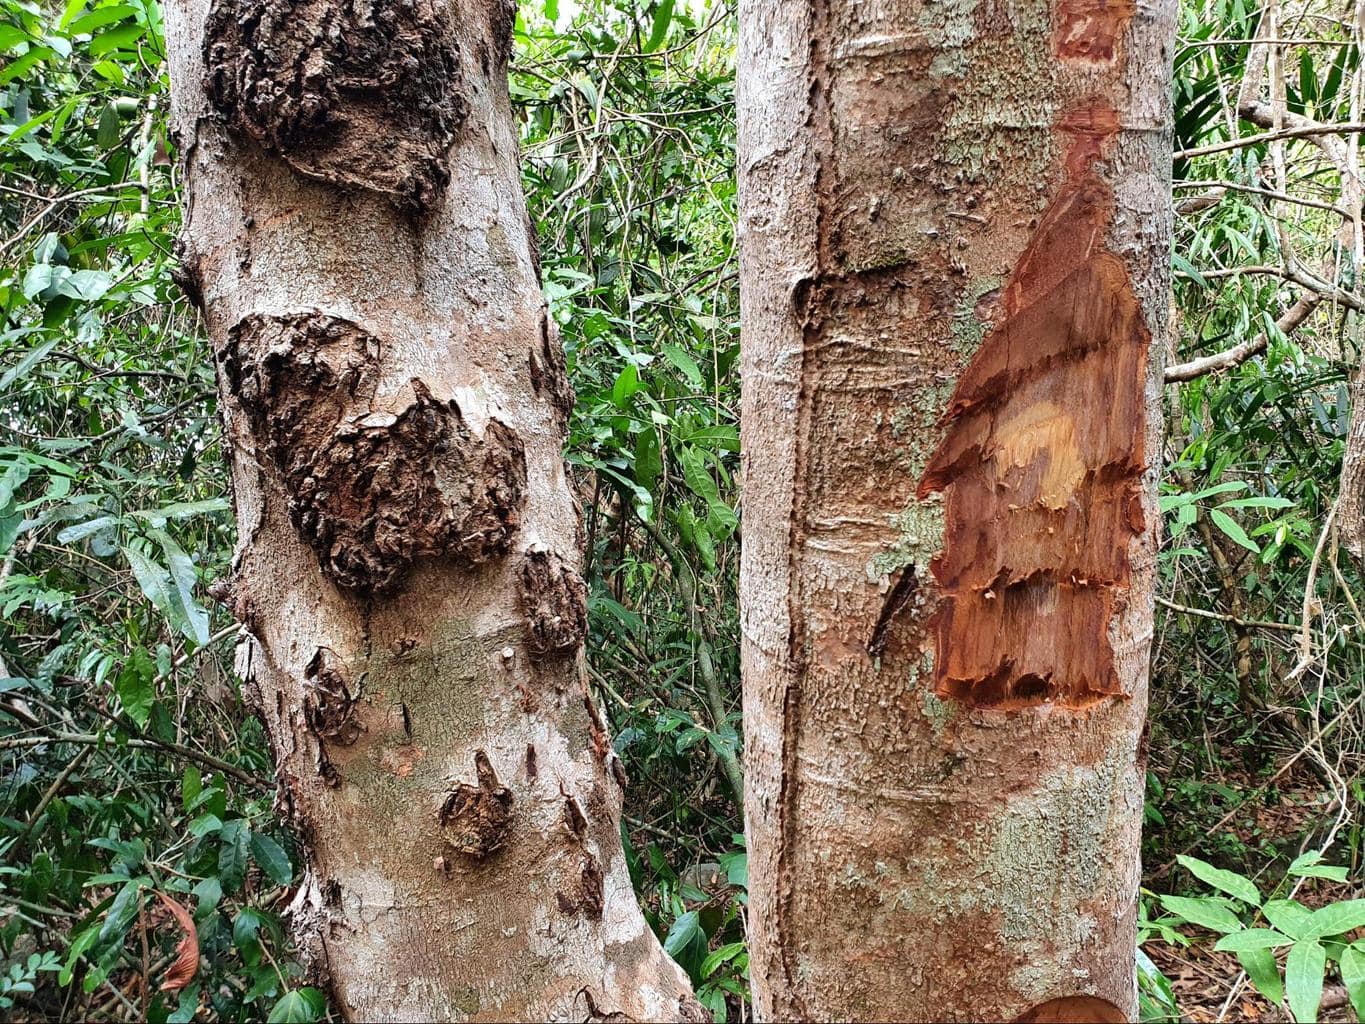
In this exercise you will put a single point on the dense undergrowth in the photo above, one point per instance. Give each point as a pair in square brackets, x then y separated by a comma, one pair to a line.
[130, 764]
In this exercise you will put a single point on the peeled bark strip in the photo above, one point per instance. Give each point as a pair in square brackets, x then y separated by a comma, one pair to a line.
[955, 229]
[408, 563]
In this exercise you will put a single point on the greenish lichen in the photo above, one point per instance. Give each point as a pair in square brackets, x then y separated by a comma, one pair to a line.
[919, 536]
[969, 330]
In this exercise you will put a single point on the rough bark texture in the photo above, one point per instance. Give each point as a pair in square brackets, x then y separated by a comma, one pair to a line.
[408, 564]
[955, 226]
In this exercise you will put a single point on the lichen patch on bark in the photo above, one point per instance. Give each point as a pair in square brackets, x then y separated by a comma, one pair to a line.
[1042, 461]
[554, 600]
[362, 94]
[475, 820]
[370, 491]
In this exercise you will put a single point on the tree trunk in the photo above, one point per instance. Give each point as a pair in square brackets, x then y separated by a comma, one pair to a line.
[395, 402]
[955, 228]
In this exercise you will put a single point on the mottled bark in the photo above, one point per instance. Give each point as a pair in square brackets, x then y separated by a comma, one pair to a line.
[955, 220]
[395, 401]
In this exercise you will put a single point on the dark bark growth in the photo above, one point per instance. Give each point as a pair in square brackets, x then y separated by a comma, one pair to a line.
[371, 491]
[555, 601]
[475, 820]
[361, 94]
[329, 703]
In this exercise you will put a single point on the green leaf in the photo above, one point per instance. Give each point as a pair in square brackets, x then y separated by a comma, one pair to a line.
[135, 685]
[1230, 882]
[1232, 530]
[272, 859]
[107, 130]
[686, 944]
[1288, 916]
[1309, 865]
[685, 363]
[648, 459]
[21, 369]
[663, 14]
[187, 609]
[627, 383]
[1206, 913]
[191, 785]
[1334, 919]
[1353, 977]
[300, 1006]
[121, 912]
[720, 956]
[232, 854]
[1264, 973]
[82, 530]
[1303, 973]
[1251, 938]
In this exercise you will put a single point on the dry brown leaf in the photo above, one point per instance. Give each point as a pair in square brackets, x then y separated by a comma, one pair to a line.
[186, 964]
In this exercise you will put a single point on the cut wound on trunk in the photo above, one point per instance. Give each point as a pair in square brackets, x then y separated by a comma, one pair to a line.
[554, 600]
[581, 888]
[1041, 463]
[475, 820]
[363, 93]
[370, 491]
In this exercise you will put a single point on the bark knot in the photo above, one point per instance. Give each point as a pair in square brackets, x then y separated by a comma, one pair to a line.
[554, 600]
[475, 820]
[361, 93]
[371, 492]
[329, 702]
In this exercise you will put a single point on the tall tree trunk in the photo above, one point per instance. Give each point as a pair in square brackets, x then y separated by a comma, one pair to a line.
[955, 225]
[408, 565]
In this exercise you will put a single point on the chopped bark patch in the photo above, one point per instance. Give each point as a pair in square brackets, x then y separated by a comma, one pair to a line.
[475, 820]
[549, 372]
[1073, 1010]
[371, 492]
[363, 94]
[329, 704]
[1042, 461]
[1090, 29]
[554, 600]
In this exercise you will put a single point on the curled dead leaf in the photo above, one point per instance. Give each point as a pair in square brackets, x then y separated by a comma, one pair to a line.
[186, 964]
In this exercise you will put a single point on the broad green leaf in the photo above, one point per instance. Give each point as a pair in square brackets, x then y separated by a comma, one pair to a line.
[272, 859]
[1309, 865]
[107, 130]
[1303, 973]
[136, 686]
[1206, 913]
[182, 510]
[121, 912]
[1335, 919]
[685, 363]
[184, 576]
[21, 369]
[1232, 530]
[648, 459]
[232, 854]
[663, 14]
[1230, 882]
[300, 1006]
[1251, 938]
[686, 943]
[720, 956]
[1353, 977]
[82, 530]
[1287, 916]
[1263, 971]
[627, 383]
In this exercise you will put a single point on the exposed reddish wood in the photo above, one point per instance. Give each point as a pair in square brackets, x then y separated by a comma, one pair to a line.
[1074, 1010]
[1089, 29]
[1041, 463]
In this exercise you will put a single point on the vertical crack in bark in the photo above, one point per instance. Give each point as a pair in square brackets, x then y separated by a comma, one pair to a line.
[1042, 461]
[370, 491]
[361, 93]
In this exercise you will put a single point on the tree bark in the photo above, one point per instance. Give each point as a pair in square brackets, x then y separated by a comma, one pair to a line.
[955, 226]
[395, 401]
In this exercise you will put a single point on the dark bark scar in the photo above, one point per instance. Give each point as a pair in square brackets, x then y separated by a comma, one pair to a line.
[1042, 460]
[476, 820]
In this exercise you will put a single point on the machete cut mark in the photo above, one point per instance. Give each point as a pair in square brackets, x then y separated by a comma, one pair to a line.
[1073, 1010]
[1090, 29]
[1041, 463]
